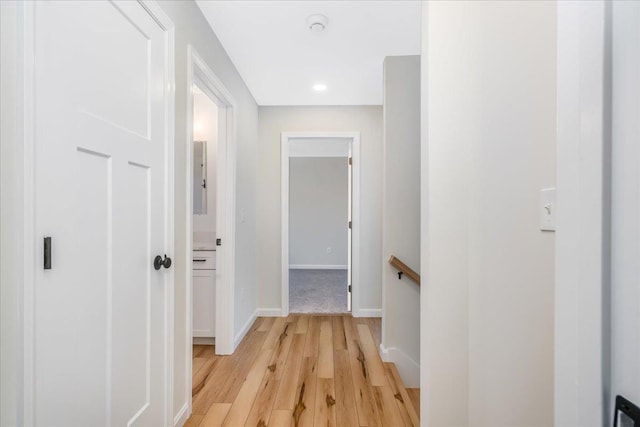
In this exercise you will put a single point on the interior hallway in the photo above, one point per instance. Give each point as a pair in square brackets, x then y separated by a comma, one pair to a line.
[302, 370]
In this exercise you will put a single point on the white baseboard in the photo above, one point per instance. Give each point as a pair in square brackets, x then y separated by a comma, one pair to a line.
[408, 368]
[182, 416]
[269, 312]
[240, 335]
[368, 312]
[317, 267]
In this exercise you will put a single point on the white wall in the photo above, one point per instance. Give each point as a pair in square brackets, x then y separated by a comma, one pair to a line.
[319, 146]
[11, 202]
[401, 215]
[487, 300]
[625, 220]
[273, 121]
[205, 128]
[192, 28]
[318, 211]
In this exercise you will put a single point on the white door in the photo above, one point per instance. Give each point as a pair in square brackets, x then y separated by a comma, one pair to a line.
[103, 194]
[350, 228]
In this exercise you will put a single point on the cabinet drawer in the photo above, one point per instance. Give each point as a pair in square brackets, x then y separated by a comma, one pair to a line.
[204, 260]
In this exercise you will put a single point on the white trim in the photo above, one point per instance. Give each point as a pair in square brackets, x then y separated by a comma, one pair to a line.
[164, 22]
[369, 312]
[317, 267]
[182, 416]
[198, 70]
[284, 224]
[284, 214]
[269, 312]
[408, 368]
[188, 365]
[245, 328]
[424, 209]
[582, 256]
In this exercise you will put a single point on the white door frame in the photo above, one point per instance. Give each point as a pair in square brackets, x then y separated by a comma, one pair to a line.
[26, 104]
[198, 71]
[284, 215]
[583, 217]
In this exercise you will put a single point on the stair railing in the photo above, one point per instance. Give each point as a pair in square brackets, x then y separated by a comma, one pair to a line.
[404, 269]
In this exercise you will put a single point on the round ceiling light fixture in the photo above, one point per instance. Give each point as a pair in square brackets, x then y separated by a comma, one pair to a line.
[317, 23]
[319, 87]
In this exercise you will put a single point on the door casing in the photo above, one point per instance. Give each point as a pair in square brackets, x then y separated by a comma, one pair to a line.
[355, 214]
[198, 71]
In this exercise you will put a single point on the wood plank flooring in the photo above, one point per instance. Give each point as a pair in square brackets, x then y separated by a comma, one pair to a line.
[303, 370]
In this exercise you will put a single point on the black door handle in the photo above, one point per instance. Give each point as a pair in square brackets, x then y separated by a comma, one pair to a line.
[159, 262]
[47, 253]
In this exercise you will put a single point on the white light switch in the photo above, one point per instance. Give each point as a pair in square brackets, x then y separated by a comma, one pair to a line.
[548, 209]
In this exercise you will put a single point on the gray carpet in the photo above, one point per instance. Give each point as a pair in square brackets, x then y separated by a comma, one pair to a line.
[318, 291]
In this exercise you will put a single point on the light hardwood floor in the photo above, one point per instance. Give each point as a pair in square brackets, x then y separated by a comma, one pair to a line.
[303, 370]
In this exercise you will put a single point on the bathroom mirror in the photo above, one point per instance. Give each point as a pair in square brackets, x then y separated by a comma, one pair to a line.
[199, 177]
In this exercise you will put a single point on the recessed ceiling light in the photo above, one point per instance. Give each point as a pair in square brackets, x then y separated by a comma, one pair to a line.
[319, 87]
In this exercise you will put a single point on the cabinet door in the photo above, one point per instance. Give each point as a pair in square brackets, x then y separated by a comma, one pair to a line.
[204, 303]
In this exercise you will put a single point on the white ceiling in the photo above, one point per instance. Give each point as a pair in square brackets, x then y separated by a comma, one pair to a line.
[280, 59]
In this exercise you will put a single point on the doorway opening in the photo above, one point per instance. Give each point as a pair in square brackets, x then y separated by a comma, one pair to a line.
[320, 211]
[210, 212]
[205, 146]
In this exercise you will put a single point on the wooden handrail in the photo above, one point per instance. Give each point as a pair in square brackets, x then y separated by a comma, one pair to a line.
[404, 269]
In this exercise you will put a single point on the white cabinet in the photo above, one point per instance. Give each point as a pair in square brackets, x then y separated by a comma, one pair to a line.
[204, 260]
[204, 294]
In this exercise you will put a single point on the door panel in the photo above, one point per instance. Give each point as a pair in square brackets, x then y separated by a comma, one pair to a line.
[101, 329]
[132, 294]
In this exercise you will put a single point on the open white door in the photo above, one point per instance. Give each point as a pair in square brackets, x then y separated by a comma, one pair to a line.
[350, 227]
[104, 195]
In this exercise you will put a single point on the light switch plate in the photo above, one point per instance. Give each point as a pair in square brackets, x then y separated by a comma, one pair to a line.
[548, 209]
